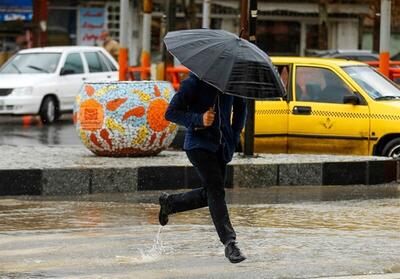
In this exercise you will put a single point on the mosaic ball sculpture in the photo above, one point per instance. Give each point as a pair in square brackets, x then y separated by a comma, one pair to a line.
[124, 118]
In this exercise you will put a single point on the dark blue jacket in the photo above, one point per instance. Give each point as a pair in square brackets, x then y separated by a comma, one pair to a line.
[189, 104]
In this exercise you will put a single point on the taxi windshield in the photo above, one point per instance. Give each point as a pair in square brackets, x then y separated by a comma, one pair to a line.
[376, 85]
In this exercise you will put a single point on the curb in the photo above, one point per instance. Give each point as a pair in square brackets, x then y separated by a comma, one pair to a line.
[78, 181]
[366, 276]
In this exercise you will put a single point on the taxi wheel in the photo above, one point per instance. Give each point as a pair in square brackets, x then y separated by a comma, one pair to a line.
[48, 110]
[392, 149]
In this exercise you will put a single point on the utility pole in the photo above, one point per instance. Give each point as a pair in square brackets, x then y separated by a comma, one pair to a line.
[160, 75]
[244, 24]
[135, 31]
[123, 39]
[170, 26]
[146, 51]
[322, 26]
[384, 42]
[376, 9]
[206, 14]
[40, 18]
[167, 24]
[250, 120]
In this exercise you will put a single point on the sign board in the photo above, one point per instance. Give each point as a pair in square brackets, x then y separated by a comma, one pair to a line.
[11, 10]
[91, 22]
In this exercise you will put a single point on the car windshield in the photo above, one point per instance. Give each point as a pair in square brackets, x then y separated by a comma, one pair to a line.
[29, 63]
[376, 85]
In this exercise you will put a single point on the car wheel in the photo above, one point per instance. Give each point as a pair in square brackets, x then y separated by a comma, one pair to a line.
[392, 149]
[48, 110]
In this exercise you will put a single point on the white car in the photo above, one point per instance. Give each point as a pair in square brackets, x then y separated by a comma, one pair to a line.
[46, 80]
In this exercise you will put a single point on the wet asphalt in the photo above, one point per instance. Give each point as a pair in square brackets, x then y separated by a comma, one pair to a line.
[292, 232]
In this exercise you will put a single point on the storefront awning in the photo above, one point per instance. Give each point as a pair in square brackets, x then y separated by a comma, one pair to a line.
[306, 8]
[11, 10]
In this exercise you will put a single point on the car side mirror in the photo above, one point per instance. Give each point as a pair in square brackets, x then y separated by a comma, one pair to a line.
[65, 72]
[351, 99]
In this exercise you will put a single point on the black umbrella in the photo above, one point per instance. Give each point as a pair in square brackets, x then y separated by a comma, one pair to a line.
[229, 63]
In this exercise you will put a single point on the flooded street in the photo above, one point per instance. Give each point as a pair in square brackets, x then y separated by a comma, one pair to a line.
[14, 131]
[118, 236]
[29, 131]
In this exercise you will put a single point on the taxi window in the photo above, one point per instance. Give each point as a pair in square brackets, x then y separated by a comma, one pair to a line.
[284, 72]
[320, 85]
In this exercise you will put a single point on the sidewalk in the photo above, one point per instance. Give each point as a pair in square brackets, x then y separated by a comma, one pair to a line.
[73, 170]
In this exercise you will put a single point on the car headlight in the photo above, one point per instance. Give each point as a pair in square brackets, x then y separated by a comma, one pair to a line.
[22, 91]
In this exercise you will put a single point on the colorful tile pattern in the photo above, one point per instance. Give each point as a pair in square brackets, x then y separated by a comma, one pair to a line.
[124, 118]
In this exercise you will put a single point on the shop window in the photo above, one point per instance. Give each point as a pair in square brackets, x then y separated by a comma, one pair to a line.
[112, 19]
[279, 37]
[61, 27]
[311, 37]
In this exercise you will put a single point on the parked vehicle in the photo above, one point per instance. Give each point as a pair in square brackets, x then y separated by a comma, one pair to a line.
[332, 106]
[45, 81]
[396, 57]
[358, 55]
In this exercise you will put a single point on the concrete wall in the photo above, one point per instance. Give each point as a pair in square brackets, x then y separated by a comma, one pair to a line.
[230, 25]
[347, 35]
[343, 35]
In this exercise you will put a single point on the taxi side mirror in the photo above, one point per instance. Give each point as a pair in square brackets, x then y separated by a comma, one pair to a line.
[351, 99]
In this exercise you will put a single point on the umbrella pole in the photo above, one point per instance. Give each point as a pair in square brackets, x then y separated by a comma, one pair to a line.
[248, 149]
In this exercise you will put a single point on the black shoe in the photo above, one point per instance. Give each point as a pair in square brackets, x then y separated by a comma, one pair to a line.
[164, 209]
[232, 252]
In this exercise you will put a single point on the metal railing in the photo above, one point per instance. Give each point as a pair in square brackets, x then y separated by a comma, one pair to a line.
[174, 74]
[394, 69]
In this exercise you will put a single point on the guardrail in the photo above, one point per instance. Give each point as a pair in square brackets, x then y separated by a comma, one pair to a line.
[174, 74]
[394, 69]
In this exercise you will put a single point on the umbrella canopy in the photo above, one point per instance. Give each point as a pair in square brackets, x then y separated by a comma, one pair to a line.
[227, 62]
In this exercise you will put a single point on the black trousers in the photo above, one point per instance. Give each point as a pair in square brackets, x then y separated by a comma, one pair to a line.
[212, 171]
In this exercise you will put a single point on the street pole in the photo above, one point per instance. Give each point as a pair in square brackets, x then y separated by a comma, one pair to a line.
[384, 42]
[40, 18]
[244, 23]
[250, 120]
[123, 39]
[206, 14]
[146, 53]
[160, 75]
[135, 29]
[170, 26]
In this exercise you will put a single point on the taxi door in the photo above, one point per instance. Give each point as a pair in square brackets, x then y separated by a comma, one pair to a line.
[320, 121]
[271, 118]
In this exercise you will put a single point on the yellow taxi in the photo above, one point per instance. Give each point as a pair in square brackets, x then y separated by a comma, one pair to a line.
[331, 106]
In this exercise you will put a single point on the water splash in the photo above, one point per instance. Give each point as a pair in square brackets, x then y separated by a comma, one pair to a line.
[147, 255]
[156, 251]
